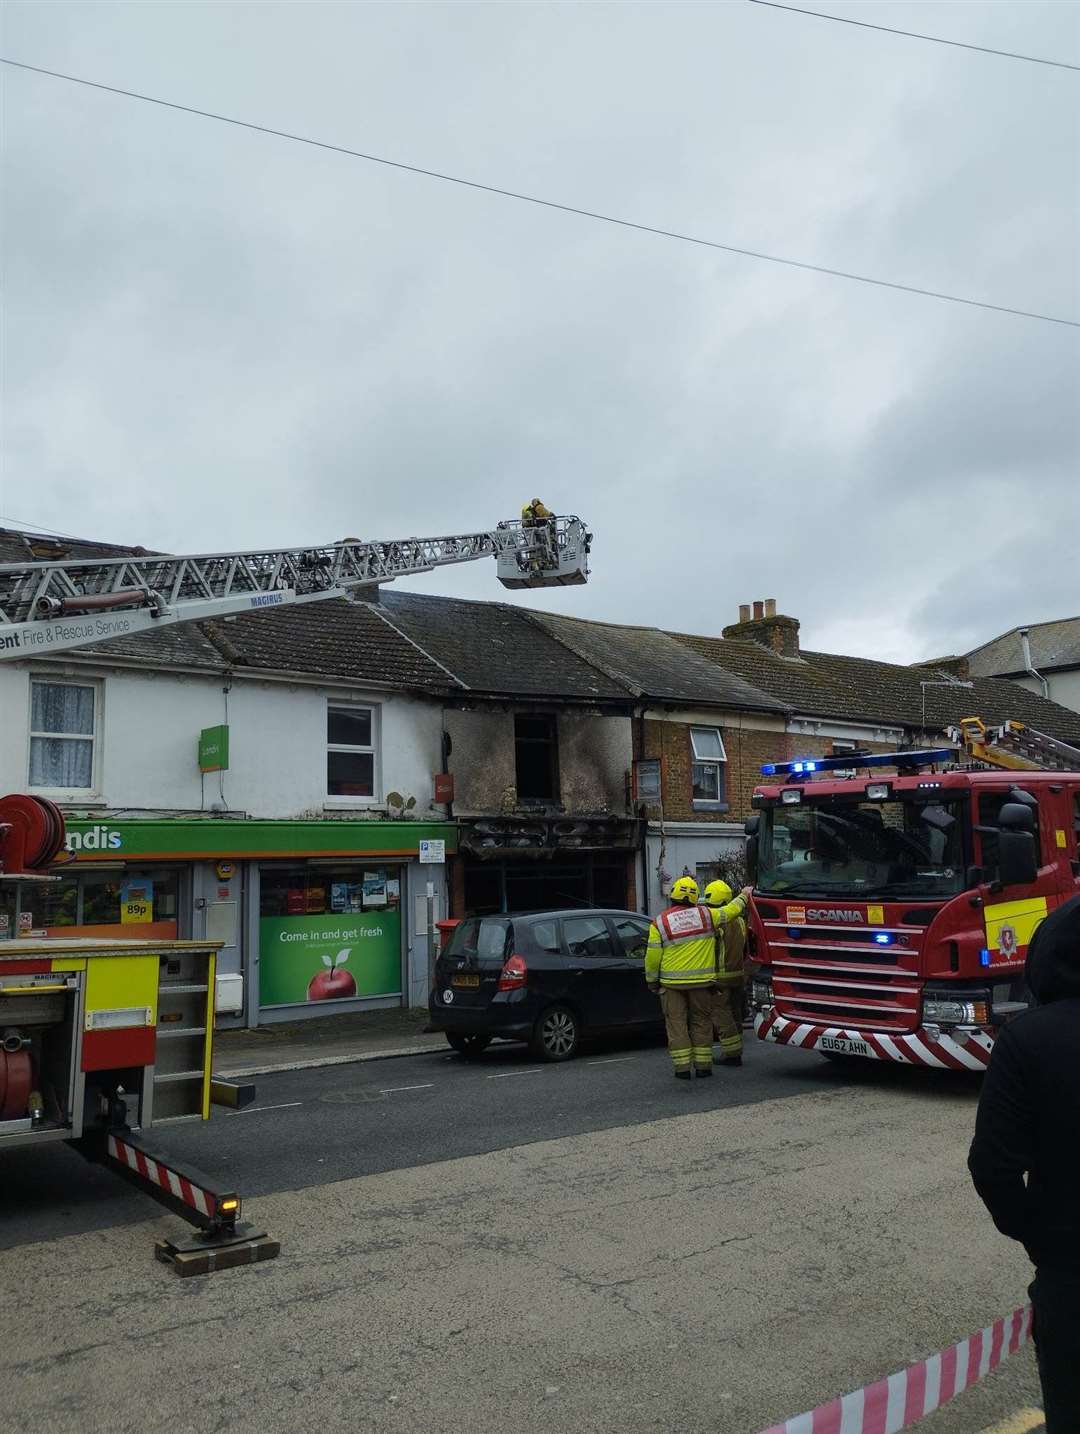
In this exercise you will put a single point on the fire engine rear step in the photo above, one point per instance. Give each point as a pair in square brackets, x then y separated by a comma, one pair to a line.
[222, 1239]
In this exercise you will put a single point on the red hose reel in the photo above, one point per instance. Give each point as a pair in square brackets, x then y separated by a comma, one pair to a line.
[16, 1083]
[31, 834]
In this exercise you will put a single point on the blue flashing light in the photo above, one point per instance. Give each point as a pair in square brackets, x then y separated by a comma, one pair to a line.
[794, 933]
[883, 938]
[903, 761]
[984, 957]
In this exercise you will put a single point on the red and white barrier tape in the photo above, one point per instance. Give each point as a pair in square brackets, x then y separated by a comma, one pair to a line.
[902, 1399]
[204, 1201]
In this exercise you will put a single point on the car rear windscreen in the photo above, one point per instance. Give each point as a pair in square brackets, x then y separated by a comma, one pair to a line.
[482, 937]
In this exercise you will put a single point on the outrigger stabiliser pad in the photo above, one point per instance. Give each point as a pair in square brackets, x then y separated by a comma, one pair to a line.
[222, 1239]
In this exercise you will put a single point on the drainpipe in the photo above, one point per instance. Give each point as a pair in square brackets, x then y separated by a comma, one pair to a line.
[644, 898]
[1025, 647]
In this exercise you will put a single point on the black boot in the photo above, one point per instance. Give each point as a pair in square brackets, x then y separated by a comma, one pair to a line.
[731, 1061]
[682, 1075]
[703, 1071]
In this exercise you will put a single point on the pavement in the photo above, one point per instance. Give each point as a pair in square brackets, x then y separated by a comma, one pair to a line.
[326, 1040]
[504, 1245]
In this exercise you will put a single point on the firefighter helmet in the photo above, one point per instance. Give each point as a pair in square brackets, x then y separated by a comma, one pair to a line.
[717, 893]
[685, 889]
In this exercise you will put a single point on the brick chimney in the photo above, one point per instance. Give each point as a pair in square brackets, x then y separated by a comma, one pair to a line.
[766, 627]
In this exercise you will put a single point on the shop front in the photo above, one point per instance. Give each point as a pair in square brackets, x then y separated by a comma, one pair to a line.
[314, 917]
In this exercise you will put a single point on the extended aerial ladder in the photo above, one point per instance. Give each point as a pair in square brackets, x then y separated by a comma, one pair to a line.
[59, 604]
[1014, 746]
[67, 1031]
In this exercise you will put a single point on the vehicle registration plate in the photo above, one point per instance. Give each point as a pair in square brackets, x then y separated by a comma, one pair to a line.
[844, 1045]
[465, 980]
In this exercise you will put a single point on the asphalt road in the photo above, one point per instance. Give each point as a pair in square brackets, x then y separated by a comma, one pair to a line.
[478, 1247]
[315, 1126]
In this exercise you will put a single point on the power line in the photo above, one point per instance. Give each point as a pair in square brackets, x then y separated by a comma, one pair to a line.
[545, 203]
[40, 529]
[915, 35]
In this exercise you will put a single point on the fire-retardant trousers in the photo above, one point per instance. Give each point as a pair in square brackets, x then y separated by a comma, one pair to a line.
[725, 1001]
[1055, 1296]
[688, 1017]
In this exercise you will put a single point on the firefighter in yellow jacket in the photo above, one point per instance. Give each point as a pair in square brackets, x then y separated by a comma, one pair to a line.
[727, 997]
[680, 964]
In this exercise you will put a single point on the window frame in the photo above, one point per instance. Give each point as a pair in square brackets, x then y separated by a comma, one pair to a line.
[552, 744]
[719, 803]
[374, 749]
[96, 688]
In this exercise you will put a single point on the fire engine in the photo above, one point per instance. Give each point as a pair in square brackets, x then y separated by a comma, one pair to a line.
[895, 894]
[101, 1040]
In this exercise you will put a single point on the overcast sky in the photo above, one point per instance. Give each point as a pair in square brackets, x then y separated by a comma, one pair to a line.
[215, 339]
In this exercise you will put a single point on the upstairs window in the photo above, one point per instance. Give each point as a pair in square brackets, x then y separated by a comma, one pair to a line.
[350, 752]
[63, 734]
[536, 758]
[707, 767]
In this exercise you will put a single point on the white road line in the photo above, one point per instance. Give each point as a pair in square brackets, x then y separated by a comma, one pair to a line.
[256, 1109]
[505, 1075]
[393, 1089]
[611, 1061]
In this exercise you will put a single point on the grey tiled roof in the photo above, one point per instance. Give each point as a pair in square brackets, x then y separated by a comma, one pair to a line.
[1053, 644]
[859, 689]
[652, 663]
[492, 647]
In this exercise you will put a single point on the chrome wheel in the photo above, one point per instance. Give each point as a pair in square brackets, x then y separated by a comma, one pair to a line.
[557, 1034]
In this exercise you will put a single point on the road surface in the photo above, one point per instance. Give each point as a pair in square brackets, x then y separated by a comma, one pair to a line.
[592, 1247]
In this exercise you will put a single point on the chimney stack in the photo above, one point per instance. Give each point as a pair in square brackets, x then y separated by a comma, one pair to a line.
[766, 627]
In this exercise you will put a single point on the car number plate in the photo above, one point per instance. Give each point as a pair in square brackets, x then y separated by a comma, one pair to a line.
[464, 980]
[844, 1046]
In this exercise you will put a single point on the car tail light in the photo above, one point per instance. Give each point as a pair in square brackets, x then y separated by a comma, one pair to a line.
[514, 974]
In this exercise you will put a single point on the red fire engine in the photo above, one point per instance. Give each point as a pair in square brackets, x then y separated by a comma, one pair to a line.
[895, 895]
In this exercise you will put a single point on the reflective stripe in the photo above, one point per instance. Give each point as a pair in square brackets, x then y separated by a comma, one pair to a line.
[680, 973]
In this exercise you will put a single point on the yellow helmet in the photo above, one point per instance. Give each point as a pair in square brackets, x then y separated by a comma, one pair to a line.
[685, 889]
[717, 893]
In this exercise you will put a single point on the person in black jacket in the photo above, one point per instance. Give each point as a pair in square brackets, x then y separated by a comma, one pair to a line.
[1029, 1124]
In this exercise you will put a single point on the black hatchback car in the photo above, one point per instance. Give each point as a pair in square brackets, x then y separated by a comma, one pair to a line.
[546, 977]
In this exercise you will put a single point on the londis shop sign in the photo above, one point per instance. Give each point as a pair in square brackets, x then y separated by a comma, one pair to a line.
[329, 958]
[167, 840]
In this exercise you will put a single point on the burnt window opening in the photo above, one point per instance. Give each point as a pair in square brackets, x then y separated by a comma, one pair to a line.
[536, 759]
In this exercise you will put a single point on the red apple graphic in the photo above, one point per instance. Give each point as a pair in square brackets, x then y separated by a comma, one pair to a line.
[333, 984]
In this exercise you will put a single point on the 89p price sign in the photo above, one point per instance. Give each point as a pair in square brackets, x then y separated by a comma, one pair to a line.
[136, 903]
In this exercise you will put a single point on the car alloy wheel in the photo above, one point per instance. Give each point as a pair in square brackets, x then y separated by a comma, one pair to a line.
[556, 1035]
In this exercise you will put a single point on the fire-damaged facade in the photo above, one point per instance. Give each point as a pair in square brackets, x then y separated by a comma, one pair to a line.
[537, 751]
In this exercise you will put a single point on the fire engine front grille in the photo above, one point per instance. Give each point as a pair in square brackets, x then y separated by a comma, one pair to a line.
[838, 986]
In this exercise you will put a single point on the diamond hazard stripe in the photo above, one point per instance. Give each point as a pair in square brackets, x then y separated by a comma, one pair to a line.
[901, 1399]
[909, 1048]
[179, 1186]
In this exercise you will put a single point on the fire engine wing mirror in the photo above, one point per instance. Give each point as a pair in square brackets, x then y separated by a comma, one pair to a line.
[751, 830]
[1017, 817]
[1017, 865]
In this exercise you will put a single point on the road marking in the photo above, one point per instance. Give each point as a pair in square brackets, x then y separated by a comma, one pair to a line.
[1024, 1421]
[257, 1109]
[505, 1075]
[611, 1061]
[393, 1089]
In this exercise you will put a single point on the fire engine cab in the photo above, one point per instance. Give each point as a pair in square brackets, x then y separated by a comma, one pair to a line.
[895, 894]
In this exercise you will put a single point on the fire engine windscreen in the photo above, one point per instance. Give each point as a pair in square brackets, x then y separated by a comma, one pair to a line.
[840, 846]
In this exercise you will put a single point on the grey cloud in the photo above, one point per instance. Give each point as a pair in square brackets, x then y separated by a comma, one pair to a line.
[216, 339]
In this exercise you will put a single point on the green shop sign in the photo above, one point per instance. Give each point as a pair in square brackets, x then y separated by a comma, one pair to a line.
[214, 749]
[194, 839]
[329, 958]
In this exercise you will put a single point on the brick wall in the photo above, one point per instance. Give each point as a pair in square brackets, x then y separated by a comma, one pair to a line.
[747, 749]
